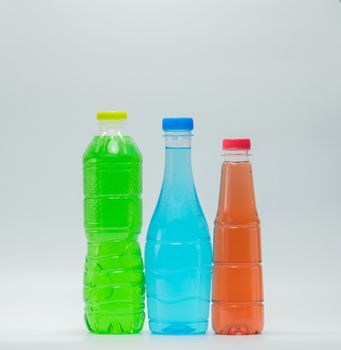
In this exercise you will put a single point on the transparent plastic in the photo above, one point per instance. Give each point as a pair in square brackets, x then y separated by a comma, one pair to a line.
[178, 254]
[113, 278]
[237, 273]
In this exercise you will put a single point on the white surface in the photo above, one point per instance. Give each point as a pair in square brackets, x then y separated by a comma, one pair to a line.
[267, 69]
[144, 341]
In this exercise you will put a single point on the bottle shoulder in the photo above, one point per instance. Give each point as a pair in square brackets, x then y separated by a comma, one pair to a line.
[112, 148]
[178, 211]
[178, 225]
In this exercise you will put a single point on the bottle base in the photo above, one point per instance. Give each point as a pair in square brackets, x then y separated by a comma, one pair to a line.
[237, 318]
[178, 328]
[108, 324]
[237, 330]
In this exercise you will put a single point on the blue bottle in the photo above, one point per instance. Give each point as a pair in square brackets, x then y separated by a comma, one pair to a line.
[178, 255]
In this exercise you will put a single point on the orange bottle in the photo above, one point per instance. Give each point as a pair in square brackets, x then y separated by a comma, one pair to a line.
[237, 274]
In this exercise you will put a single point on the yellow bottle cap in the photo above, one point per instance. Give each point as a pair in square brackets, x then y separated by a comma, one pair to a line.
[112, 115]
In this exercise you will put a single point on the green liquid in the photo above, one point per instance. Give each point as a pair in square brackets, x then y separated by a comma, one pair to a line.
[114, 283]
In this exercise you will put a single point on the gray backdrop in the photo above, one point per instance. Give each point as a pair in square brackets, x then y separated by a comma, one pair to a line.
[265, 69]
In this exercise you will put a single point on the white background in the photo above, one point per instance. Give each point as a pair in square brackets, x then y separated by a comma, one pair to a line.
[264, 69]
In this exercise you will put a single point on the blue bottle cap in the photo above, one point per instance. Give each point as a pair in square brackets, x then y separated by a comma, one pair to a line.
[177, 124]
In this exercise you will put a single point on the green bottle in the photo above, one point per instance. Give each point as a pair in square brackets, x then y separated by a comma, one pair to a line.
[114, 283]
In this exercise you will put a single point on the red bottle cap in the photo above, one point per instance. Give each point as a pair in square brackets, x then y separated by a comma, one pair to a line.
[236, 144]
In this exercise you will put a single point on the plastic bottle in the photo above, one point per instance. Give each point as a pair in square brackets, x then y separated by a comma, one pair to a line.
[237, 274]
[113, 278]
[178, 253]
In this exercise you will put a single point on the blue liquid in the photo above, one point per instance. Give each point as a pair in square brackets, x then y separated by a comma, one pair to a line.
[178, 256]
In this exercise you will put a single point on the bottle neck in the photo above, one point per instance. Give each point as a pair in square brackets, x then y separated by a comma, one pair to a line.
[178, 176]
[111, 128]
[178, 139]
[236, 156]
[237, 203]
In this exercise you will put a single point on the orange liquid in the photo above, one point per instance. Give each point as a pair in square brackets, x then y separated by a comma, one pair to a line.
[237, 274]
